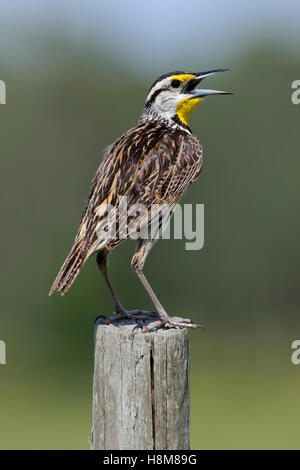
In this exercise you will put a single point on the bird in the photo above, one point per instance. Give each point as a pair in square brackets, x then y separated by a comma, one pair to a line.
[149, 166]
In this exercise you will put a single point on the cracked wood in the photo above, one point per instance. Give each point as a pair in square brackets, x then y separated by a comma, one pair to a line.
[141, 396]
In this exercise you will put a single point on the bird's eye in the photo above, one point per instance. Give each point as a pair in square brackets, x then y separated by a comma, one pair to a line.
[175, 83]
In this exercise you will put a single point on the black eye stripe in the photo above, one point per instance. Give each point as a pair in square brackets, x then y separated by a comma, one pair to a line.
[175, 82]
[154, 96]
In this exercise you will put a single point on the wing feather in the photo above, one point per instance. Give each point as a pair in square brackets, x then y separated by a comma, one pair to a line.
[150, 165]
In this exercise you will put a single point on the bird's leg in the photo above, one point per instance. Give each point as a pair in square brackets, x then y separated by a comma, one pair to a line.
[137, 264]
[102, 265]
[120, 311]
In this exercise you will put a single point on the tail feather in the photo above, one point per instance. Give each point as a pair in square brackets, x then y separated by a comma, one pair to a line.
[69, 270]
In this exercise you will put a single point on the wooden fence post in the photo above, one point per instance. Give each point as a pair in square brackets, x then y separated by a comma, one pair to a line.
[141, 392]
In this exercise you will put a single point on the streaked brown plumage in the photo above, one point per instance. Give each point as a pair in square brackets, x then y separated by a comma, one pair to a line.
[152, 164]
[148, 164]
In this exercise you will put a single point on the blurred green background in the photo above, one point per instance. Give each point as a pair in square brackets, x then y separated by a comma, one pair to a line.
[74, 84]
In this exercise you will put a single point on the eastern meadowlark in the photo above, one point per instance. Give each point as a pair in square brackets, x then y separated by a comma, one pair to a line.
[152, 165]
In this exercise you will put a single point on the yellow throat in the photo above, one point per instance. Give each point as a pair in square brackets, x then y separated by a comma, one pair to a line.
[185, 107]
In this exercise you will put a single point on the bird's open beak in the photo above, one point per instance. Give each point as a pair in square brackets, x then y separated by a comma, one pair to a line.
[191, 85]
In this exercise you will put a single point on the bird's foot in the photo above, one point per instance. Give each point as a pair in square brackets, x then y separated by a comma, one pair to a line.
[122, 314]
[174, 322]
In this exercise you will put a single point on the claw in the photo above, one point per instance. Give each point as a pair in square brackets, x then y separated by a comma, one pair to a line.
[142, 316]
[171, 322]
[138, 325]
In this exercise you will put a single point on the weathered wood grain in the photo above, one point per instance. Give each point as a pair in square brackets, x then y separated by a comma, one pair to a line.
[141, 394]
